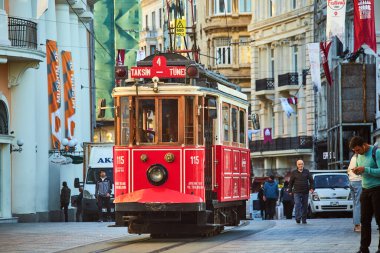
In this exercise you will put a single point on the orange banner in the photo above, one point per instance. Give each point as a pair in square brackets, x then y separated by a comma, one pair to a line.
[54, 92]
[69, 89]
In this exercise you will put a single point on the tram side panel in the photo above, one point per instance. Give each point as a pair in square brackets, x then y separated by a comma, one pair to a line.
[232, 173]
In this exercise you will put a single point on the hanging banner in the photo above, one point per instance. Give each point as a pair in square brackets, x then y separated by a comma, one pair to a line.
[54, 92]
[325, 48]
[119, 62]
[286, 107]
[315, 65]
[335, 20]
[293, 100]
[69, 89]
[267, 135]
[364, 25]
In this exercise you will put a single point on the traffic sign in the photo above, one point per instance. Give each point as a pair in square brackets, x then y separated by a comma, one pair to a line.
[159, 69]
[180, 27]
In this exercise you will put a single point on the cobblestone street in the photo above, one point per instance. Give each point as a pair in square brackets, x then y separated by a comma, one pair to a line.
[319, 235]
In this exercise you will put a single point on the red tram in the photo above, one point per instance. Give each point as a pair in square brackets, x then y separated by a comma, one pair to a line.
[181, 162]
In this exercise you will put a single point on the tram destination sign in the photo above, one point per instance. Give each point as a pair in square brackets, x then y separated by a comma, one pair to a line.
[159, 69]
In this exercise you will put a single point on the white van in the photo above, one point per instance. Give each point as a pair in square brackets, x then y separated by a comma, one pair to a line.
[332, 193]
[97, 156]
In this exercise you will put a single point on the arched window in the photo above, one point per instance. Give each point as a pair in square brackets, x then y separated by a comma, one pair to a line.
[3, 118]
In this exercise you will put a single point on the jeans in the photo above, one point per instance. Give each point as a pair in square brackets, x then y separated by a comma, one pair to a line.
[104, 201]
[301, 204]
[356, 190]
[370, 205]
[270, 208]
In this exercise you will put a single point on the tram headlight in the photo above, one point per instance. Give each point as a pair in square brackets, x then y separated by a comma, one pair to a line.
[157, 174]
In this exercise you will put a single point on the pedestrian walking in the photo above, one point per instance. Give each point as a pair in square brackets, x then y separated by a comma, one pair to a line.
[78, 214]
[287, 200]
[65, 199]
[300, 184]
[356, 190]
[367, 165]
[260, 197]
[271, 193]
[103, 192]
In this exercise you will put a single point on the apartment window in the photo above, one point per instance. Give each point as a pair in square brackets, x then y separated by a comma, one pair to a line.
[153, 20]
[195, 9]
[294, 4]
[222, 6]
[160, 18]
[223, 51]
[270, 8]
[146, 22]
[152, 49]
[272, 62]
[244, 50]
[295, 58]
[244, 6]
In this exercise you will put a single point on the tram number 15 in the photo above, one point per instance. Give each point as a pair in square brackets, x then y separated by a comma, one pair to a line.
[194, 159]
[119, 159]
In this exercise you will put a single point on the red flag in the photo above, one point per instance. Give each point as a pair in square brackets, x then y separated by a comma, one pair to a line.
[364, 24]
[293, 100]
[325, 48]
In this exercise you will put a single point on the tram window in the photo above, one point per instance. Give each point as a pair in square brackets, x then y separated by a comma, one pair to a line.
[242, 126]
[146, 120]
[124, 106]
[189, 120]
[169, 120]
[200, 121]
[226, 122]
[234, 124]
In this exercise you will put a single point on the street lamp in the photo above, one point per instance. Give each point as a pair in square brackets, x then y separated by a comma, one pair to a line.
[69, 150]
[20, 143]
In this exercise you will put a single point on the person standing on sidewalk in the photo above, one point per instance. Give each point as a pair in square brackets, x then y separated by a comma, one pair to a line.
[356, 190]
[300, 184]
[79, 205]
[103, 194]
[368, 166]
[65, 199]
[270, 197]
[287, 201]
[260, 197]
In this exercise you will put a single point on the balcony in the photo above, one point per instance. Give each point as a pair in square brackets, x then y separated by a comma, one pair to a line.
[147, 34]
[282, 146]
[22, 33]
[288, 82]
[265, 87]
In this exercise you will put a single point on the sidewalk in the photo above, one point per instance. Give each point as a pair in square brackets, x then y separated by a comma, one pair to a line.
[55, 236]
[319, 236]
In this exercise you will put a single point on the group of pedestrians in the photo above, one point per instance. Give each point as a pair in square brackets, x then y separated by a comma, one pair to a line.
[294, 193]
[103, 190]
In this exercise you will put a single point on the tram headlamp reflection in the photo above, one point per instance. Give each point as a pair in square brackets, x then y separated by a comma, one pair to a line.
[157, 174]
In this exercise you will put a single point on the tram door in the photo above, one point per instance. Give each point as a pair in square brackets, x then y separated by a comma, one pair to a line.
[209, 131]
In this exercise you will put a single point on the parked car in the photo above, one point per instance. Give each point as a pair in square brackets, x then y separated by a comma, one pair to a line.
[332, 193]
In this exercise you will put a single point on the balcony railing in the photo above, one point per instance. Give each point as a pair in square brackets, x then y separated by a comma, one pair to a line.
[265, 84]
[300, 142]
[22, 33]
[288, 79]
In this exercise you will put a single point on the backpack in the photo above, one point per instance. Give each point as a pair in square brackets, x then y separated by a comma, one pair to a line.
[374, 149]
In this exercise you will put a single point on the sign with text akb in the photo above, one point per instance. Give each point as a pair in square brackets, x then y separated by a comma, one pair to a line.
[159, 69]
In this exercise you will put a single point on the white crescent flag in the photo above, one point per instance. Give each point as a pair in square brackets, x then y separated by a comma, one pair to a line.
[335, 19]
[315, 65]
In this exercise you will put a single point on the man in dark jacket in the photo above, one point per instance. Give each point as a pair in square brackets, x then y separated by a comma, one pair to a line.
[65, 199]
[103, 194]
[270, 197]
[300, 184]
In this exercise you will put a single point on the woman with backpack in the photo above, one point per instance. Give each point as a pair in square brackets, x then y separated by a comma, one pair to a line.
[287, 201]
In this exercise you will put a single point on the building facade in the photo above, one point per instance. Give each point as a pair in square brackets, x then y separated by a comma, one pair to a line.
[223, 38]
[30, 181]
[279, 32]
